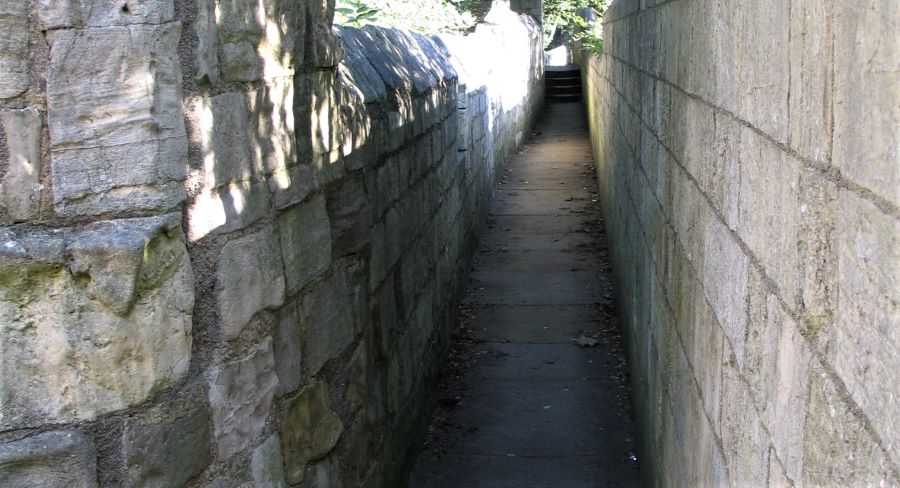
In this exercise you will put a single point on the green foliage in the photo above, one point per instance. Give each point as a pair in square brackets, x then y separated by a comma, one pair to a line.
[428, 16]
[561, 22]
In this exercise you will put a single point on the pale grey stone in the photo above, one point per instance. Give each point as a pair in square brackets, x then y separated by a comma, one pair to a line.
[250, 279]
[866, 81]
[864, 345]
[305, 234]
[225, 131]
[111, 326]
[59, 14]
[288, 349]
[326, 321]
[292, 185]
[240, 394]
[309, 430]
[258, 40]
[267, 464]
[811, 50]
[104, 155]
[56, 459]
[228, 208]
[167, 454]
[273, 132]
[357, 381]
[21, 185]
[14, 76]
[207, 54]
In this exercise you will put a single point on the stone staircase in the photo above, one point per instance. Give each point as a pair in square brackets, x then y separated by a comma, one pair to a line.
[563, 84]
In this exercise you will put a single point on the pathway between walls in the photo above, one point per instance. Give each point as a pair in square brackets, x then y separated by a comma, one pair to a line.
[543, 399]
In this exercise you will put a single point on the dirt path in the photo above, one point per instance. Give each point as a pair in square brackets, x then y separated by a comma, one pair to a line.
[541, 394]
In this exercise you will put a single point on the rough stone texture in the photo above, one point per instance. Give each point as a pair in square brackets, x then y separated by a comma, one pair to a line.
[14, 75]
[240, 394]
[250, 279]
[167, 454]
[56, 459]
[130, 151]
[267, 465]
[310, 429]
[305, 234]
[125, 286]
[20, 185]
[748, 166]
[263, 129]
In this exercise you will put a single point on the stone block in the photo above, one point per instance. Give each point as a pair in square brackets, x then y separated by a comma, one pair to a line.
[725, 274]
[326, 321]
[206, 59]
[226, 209]
[129, 152]
[357, 381]
[56, 459]
[287, 348]
[167, 454]
[866, 81]
[837, 448]
[273, 136]
[21, 185]
[258, 39]
[769, 210]
[60, 14]
[811, 74]
[125, 286]
[292, 185]
[250, 279]
[305, 234]
[240, 395]
[14, 74]
[224, 124]
[864, 345]
[318, 117]
[309, 430]
[267, 466]
[350, 215]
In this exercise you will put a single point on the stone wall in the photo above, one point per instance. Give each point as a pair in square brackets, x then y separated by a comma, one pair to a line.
[233, 238]
[748, 158]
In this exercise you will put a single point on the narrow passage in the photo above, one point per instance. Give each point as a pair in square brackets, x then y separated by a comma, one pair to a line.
[543, 398]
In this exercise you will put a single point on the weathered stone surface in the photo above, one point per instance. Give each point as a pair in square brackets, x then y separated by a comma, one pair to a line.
[257, 40]
[267, 465]
[250, 279]
[167, 454]
[864, 345]
[225, 128]
[129, 152]
[206, 61]
[292, 185]
[226, 209]
[305, 235]
[326, 321]
[357, 382]
[810, 102]
[240, 394]
[20, 186]
[14, 75]
[58, 14]
[125, 286]
[273, 137]
[57, 459]
[309, 431]
[288, 348]
[866, 79]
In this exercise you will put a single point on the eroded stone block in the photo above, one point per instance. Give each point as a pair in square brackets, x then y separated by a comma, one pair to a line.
[240, 394]
[250, 279]
[866, 81]
[267, 465]
[326, 321]
[94, 319]
[305, 234]
[167, 454]
[14, 76]
[257, 39]
[309, 430]
[60, 14]
[128, 152]
[57, 459]
[20, 187]
[287, 348]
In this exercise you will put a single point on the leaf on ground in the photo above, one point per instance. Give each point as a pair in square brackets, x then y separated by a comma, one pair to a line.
[585, 341]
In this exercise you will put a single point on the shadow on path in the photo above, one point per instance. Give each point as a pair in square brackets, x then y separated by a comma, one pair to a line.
[540, 397]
